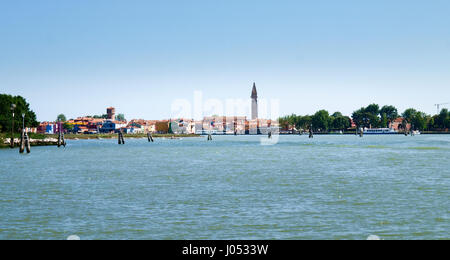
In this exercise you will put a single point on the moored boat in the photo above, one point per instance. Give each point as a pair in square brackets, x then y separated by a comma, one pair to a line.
[416, 132]
[380, 131]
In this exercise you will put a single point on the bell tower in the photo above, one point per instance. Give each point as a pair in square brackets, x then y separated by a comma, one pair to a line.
[254, 102]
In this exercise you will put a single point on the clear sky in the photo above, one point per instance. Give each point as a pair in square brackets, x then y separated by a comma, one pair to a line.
[79, 57]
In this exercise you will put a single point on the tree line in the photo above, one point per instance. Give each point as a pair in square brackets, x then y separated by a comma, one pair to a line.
[320, 121]
[371, 116]
[21, 107]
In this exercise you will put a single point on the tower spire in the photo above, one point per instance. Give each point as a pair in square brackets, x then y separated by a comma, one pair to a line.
[254, 92]
[254, 102]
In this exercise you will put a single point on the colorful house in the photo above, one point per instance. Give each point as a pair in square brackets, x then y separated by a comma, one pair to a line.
[110, 126]
[48, 128]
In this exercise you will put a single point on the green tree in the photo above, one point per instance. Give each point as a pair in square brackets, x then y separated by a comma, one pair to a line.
[68, 127]
[341, 123]
[292, 120]
[288, 121]
[321, 120]
[384, 120]
[284, 124]
[359, 118]
[388, 114]
[373, 109]
[337, 114]
[104, 116]
[367, 117]
[372, 112]
[419, 121]
[442, 120]
[430, 123]
[21, 107]
[304, 122]
[61, 118]
[447, 120]
[120, 117]
[409, 114]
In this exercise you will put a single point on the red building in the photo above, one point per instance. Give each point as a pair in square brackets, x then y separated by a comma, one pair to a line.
[111, 113]
[397, 125]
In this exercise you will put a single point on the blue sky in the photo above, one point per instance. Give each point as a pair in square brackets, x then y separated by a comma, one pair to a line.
[78, 57]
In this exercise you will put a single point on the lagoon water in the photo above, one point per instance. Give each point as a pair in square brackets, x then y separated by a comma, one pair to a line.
[330, 187]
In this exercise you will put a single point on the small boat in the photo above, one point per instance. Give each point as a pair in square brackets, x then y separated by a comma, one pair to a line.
[416, 132]
[380, 131]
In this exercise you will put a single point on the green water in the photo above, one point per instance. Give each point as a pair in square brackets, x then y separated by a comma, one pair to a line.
[330, 187]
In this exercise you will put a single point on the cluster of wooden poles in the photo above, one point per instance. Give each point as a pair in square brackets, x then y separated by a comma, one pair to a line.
[121, 140]
[61, 140]
[24, 143]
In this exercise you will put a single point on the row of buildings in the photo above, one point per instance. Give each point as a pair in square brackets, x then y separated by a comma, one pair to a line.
[213, 125]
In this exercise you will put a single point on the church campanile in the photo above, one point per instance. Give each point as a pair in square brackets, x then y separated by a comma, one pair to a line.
[254, 102]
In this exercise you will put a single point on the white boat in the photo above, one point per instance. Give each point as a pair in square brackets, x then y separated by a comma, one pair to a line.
[380, 131]
[416, 132]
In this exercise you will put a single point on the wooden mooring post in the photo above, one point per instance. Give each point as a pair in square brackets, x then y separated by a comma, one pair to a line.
[121, 139]
[27, 143]
[24, 143]
[150, 137]
[61, 140]
[311, 132]
[24, 139]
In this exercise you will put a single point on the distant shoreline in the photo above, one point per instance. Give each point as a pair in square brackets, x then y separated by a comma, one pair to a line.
[52, 139]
